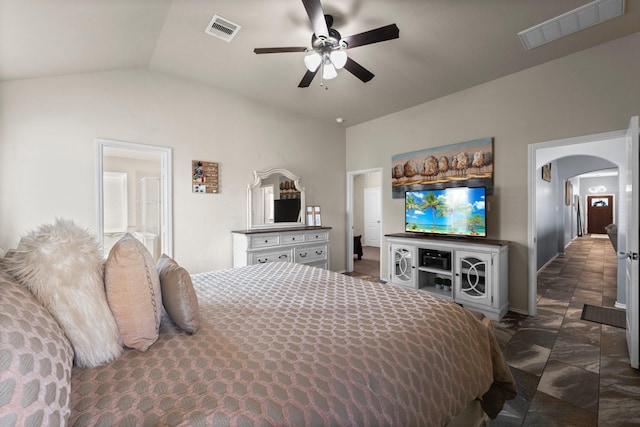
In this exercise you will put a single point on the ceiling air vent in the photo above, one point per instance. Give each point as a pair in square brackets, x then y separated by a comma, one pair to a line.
[578, 19]
[222, 28]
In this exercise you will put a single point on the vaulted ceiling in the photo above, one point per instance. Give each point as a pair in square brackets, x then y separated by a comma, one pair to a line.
[444, 46]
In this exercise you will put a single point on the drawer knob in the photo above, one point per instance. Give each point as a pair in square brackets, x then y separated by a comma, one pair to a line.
[263, 261]
[283, 256]
[266, 241]
[303, 255]
[318, 252]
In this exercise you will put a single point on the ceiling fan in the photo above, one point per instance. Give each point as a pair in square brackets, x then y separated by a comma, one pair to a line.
[327, 51]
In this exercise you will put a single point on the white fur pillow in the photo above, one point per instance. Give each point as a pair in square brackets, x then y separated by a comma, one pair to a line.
[62, 266]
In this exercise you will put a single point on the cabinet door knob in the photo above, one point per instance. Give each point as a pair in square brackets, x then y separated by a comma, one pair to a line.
[266, 241]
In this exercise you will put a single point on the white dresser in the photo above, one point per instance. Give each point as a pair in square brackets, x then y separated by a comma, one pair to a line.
[304, 245]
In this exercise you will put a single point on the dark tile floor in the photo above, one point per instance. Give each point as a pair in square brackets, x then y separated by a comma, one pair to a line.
[570, 372]
[368, 266]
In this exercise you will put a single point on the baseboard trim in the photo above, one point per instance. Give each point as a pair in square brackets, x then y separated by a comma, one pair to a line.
[517, 310]
[547, 263]
[620, 305]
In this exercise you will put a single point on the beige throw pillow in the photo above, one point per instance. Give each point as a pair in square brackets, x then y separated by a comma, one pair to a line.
[133, 292]
[178, 295]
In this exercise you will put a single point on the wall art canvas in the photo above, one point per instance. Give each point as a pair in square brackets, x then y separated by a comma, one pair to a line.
[204, 177]
[465, 164]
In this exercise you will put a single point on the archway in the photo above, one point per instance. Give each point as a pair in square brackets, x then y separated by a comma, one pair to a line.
[609, 146]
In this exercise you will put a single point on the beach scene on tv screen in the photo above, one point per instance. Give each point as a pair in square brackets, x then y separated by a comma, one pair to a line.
[452, 211]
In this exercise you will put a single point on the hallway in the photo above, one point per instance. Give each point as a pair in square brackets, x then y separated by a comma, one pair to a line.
[570, 372]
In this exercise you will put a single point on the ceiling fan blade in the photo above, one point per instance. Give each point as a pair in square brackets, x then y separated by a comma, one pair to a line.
[316, 16]
[358, 70]
[308, 78]
[373, 36]
[260, 50]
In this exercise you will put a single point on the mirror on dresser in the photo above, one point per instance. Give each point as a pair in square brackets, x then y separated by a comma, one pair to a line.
[275, 199]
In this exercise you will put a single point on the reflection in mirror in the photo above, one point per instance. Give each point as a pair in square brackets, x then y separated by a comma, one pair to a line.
[275, 199]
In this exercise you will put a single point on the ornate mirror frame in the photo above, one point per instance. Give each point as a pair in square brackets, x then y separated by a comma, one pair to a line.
[259, 176]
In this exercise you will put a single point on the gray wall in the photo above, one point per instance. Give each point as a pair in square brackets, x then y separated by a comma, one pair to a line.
[545, 103]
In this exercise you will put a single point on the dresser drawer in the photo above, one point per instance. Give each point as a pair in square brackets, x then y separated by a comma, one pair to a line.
[264, 241]
[316, 236]
[310, 254]
[275, 256]
[292, 238]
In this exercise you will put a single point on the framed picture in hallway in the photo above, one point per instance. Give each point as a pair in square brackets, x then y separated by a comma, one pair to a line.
[546, 172]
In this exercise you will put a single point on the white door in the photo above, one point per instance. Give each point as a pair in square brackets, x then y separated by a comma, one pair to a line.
[633, 235]
[372, 216]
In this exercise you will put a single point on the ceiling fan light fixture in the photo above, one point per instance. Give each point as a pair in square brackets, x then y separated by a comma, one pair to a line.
[312, 61]
[329, 71]
[338, 58]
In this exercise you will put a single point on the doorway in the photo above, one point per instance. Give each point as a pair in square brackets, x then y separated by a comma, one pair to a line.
[364, 219]
[133, 188]
[608, 146]
[599, 213]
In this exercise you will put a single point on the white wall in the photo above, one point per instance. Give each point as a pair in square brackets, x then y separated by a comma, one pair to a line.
[48, 129]
[593, 91]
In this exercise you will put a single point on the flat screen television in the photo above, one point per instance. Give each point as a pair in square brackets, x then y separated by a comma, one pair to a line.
[286, 210]
[455, 211]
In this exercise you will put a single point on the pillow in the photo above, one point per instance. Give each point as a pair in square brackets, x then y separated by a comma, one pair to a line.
[62, 265]
[178, 295]
[133, 292]
[35, 361]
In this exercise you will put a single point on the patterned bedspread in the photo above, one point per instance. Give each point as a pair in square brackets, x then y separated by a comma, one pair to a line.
[286, 344]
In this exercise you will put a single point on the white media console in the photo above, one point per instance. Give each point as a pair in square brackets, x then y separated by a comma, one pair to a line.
[471, 272]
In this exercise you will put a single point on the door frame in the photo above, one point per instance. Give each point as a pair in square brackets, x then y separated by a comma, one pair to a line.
[541, 153]
[350, 183]
[166, 239]
[630, 252]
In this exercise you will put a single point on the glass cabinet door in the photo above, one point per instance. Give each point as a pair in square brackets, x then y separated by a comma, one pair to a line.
[402, 265]
[472, 276]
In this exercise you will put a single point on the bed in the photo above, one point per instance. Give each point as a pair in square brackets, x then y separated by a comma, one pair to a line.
[276, 344]
[287, 344]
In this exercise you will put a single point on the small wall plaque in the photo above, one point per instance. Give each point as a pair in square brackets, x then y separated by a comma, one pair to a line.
[204, 177]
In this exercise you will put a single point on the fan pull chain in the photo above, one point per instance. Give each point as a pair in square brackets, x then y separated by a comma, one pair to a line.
[322, 78]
